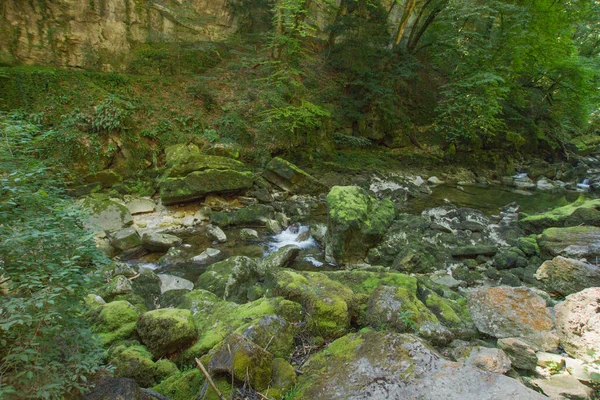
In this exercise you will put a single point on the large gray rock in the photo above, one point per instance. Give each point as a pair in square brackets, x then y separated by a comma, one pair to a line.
[559, 387]
[281, 258]
[105, 214]
[578, 324]
[508, 312]
[291, 178]
[140, 205]
[172, 282]
[521, 354]
[193, 175]
[566, 276]
[125, 239]
[574, 242]
[487, 359]
[384, 365]
[215, 233]
[159, 242]
[357, 222]
[232, 279]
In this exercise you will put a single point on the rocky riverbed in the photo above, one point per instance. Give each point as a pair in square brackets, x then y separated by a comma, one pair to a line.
[389, 287]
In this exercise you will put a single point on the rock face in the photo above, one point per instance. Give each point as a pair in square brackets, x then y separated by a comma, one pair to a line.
[356, 223]
[581, 211]
[154, 241]
[575, 242]
[566, 276]
[291, 178]
[166, 330]
[105, 214]
[508, 312]
[380, 365]
[487, 359]
[578, 324]
[111, 35]
[192, 175]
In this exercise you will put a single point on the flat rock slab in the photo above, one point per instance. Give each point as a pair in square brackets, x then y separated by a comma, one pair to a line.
[385, 365]
[504, 311]
[576, 242]
[172, 282]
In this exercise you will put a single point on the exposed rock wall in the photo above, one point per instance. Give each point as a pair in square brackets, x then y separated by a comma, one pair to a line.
[104, 34]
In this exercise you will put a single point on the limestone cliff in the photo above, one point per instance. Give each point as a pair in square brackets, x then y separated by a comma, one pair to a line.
[108, 34]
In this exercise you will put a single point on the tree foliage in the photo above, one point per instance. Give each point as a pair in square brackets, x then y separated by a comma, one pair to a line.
[47, 264]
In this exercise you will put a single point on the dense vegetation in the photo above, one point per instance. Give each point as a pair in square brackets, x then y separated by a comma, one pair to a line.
[447, 77]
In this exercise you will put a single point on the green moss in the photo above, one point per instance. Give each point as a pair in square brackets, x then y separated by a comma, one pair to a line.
[167, 330]
[556, 217]
[133, 362]
[164, 369]
[115, 321]
[182, 385]
[283, 376]
[442, 308]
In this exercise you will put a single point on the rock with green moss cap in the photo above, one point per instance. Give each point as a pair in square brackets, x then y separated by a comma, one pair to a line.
[105, 214]
[166, 330]
[329, 305]
[283, 379]
[135, 362]
[182, 385]
[582, 211]
[291, 178]
[397, 366]
[125, 239]
[232, 279]
[274, 333]
[573, 242]
[192, 175]
[154, 241]
[566, 276]
[254, 215]
[164, 369]
[244, 360]
[357, 222]
[115, 321]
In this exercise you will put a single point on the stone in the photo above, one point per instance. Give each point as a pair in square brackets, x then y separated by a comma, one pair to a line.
[216, 234]
[248, 234]
[106, 178]
[207, 256]
[181, 386]
[389, 365]
[565, 276]
[521, 354]
[119, 285]
[111, 388]
[105, 214]
[244, 360]
[474, 251]
[125, 239]
[257, 214]
[140, 205]
[282, 258]
[573, 242]
[356, 223]
[194, 175]
[273, 227]
[545, 184]
[487, 359]
[504, 312]
[114, 321]
[133, 361]
[291, 178]
[558, 217]
[585, 372]
[166, 330]
[578, 324]
[272, 333]
[171, 282]
[510, 258]
[232, 279]
[434, 180]
[563, 387]
[164, 369]
[147, 286]
[160, 242]
[550, 360]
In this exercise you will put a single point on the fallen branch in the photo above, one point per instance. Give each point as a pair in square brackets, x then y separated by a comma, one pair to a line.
[134, 277]
[209, 379]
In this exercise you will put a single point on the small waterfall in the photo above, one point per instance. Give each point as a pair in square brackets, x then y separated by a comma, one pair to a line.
[585, 184]
[295, 234]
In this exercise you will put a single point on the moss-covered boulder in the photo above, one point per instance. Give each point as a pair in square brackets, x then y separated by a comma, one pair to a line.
[166, 330]
[357, 222]
[584, 145]
[182, 385]
[146, 287]
[164, 368]
[216, 319]
[582, 211]
[233, 279]
[125, 239]
[291, 178]
[273, 333]
[154, 241]
[565, 276]
[244, 360]
[192, 175]
[135, 362]
[574, 242]
[254, 215]
[283, 379]
[105, 214]
[115, 321]
[328, 304]
[397, 366]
